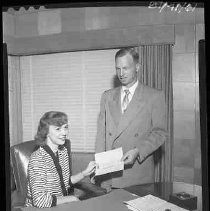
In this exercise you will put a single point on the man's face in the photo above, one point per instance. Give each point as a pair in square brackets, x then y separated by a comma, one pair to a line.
[126, 70]
[58, 134]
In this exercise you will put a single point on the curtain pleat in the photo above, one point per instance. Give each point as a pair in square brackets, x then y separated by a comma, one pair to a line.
[156, 64]
[15, 105]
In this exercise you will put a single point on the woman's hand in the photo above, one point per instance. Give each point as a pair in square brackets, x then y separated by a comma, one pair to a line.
[90, 169]
[72, 198]
[66, 199]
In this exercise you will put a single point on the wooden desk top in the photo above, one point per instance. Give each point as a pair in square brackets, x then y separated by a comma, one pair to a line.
[157, 189]
[112, 201]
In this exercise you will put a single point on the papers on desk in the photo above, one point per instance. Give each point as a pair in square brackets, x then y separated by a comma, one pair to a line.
[151, 203]
[131, 208]
[109, 161]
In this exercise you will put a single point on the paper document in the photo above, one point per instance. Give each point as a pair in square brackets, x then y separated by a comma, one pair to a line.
[151, 203]
[131, 208]
[109, 161]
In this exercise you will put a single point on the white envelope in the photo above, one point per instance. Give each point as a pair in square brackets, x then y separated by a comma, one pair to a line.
[109, 161]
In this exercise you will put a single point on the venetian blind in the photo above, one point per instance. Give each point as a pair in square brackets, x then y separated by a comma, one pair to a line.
[70, 82]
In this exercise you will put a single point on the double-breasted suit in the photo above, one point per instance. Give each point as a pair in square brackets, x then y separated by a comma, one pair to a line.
[143, 126]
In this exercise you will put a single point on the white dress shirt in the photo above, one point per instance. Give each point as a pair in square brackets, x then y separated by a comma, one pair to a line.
[131, 90]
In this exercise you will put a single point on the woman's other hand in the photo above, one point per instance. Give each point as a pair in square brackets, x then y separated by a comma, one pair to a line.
[73, 198]
[66, 199]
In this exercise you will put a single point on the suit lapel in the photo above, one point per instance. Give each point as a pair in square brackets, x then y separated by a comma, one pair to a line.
[115, 106]
[133, 108]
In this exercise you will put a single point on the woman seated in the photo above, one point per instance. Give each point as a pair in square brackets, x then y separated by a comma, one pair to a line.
[49, 177]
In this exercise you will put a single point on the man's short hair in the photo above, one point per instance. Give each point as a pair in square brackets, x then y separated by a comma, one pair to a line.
[128, 50]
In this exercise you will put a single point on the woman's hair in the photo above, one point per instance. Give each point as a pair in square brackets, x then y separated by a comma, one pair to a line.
[56, 118]
[128, 50]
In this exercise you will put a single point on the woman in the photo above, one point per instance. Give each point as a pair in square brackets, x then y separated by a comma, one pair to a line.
[49, 176]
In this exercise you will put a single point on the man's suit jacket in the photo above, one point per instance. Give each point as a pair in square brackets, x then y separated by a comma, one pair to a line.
[143, 125]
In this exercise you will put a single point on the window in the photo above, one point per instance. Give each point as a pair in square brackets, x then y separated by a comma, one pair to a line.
[70, 82]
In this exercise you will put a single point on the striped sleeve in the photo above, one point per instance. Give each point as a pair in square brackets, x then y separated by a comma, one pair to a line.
[37, 178]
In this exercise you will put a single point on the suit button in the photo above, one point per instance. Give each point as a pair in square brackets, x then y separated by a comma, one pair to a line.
[136, 135]
[110, 134]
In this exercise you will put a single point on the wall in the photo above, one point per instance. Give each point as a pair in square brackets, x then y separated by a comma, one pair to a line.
[47, 32]
[188, 28]
[187, 154]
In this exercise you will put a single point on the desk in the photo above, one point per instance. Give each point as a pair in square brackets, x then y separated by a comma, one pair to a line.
[160, 190]
[112, 201]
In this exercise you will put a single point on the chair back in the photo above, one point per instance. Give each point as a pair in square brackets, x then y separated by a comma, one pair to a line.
[20, 155]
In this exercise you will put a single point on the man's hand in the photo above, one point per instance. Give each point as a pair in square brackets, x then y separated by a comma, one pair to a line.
[130, 156]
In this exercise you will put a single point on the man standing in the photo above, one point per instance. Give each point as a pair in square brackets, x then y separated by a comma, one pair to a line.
[132, 116]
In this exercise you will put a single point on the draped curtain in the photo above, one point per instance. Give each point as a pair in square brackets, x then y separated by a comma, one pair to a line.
[6, 126]
[15, 106]
[156, 64]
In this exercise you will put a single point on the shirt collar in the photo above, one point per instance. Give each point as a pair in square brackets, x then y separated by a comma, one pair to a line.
[131, 89]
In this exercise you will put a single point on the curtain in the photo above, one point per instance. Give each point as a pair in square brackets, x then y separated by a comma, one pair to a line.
[15, 106]
[156, 64]
[5, 149]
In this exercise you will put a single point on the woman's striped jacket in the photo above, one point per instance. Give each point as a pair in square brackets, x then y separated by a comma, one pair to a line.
[43, 183]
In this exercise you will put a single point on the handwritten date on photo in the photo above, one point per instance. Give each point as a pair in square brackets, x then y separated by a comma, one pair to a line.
[177, 7]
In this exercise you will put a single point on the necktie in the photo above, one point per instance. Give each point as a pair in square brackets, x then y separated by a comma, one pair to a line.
[125, 100]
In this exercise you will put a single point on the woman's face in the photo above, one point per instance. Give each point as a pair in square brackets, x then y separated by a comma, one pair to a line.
[58, 134]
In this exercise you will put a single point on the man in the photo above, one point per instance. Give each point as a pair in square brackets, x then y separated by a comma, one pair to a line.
[132, 116]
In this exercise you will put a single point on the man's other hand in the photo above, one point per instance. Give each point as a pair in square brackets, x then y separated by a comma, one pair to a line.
[130, 156]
